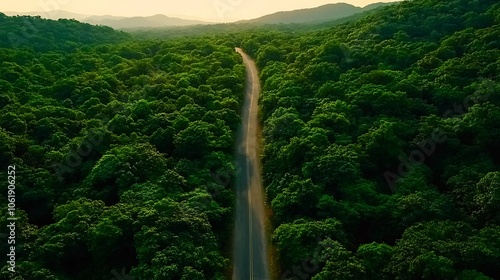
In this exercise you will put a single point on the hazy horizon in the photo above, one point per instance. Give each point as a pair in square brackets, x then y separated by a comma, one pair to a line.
[209, 10]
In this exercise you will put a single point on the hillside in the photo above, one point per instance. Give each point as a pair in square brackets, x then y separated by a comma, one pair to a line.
[45, 34]
[320, 14]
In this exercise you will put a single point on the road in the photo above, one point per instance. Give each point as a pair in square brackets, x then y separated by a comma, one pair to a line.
[250, 242]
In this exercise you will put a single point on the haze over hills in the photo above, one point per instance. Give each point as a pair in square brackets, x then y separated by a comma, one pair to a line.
[319, 14]
[55, 14]
[116, 22]
[135, 22]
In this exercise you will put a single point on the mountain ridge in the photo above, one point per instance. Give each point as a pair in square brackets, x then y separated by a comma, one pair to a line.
[158, 20]
[117, 22]
[328, 12]
[324, 13]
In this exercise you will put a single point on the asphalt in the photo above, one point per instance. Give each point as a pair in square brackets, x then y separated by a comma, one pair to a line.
[250, 241]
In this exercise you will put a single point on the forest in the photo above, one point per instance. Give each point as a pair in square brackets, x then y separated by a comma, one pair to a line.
[381, 156]
[380, 150]
[122, 150]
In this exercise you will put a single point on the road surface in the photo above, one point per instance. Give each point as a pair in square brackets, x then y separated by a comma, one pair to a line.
[250, 242]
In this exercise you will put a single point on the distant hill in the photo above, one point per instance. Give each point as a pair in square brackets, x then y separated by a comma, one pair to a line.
[101, 18]
[55, 14]
[114, 21]
[325, 13]
[137, 22]
[320, 14]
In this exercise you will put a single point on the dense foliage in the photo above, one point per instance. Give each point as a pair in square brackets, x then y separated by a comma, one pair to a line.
[123, 152]
[381, 157]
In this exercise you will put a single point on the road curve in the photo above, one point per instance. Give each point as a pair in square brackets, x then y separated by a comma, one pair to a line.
[250, 242]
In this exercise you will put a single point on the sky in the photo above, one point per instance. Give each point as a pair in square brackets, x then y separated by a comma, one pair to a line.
[213, 10]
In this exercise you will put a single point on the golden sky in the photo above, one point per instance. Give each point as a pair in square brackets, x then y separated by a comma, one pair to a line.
[215, 10]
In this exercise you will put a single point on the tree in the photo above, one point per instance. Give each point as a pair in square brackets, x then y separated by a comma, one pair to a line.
[184, 229]
[374, 257]
[336, 114]
[335, 166]
[323, 71]
[378, 100]
[122, 167]
[442, 247]
[283, 125]
[269, 53]
[297, 199]
[6, 149]
[13, 123]
[487, 198]
[163, 140]
[198, 135]
[61, 246]
[382, 144]
[339, 263]
[297, 241]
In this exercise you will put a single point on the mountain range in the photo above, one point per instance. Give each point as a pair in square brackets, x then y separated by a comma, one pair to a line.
[116, 22]
[319, 14]
[135, 22]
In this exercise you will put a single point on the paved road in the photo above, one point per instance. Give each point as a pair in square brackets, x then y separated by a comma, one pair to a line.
[250, 243]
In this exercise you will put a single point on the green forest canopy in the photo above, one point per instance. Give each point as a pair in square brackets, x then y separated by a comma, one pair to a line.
[101, 129]
[381, 142]
[381, 158]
